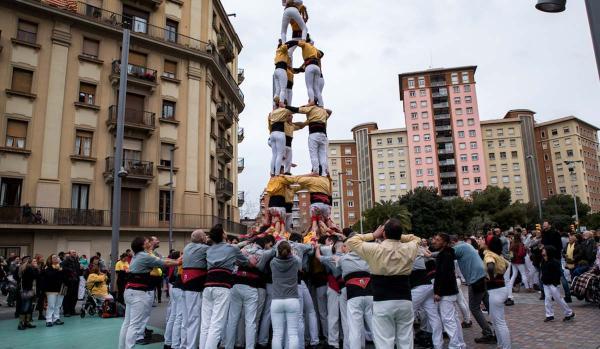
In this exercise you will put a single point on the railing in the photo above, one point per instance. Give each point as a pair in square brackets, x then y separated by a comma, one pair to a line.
[240, 134]
[443, 139]
[445, 151]
[133, 167]
[437, 83]
[133, 117]
[448, 186]
[443, 128]
[240, 76]
[26, 36]
[136, 71]
[440, 93]
[102, 218]
[448, 162]
[241, 196]
[441, 116]
[225, 46]
[224, 187]
[240, 165]
[225, 114]
[447, 174]
[441, 105]
[225, 148]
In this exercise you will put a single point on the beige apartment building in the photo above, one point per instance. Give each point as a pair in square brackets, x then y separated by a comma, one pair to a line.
[569, 139]
[343, 167]
[59, 81]
[390, 163]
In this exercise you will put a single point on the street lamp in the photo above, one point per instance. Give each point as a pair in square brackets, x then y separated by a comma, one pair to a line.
[571, 165]
[360, 182]
[593, 12]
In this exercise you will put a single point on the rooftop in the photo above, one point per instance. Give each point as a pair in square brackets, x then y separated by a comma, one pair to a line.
[564, 119]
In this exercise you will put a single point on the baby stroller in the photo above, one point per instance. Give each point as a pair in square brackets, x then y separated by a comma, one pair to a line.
[9, 289]
[91, 305]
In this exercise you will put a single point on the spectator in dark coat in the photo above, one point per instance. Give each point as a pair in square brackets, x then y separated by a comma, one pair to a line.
[73, 271]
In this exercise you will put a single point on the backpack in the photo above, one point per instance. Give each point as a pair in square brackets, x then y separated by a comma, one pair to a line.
[109, 309]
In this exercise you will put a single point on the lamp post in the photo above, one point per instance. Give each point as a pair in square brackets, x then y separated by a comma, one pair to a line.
[593, 12]
[341, 191]
[571, 165]
[360, 182]
[171, 160]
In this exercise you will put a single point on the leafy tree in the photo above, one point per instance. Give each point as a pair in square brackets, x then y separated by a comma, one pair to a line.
[562, 205]
[381, 212]
[592, 221]
[513, 215]
[459, 214]
[428, 210]
[491, 200]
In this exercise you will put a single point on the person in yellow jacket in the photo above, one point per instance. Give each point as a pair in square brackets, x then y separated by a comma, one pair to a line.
[280, 77]
[297, 12]
[316, 119]
[276, 191]
[96, 283]
[312, 70]
[276, 122]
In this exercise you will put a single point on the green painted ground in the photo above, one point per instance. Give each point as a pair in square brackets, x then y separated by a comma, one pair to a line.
[90, 332]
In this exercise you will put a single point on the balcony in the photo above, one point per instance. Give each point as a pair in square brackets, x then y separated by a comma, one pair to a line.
[447, 162]
[225, 47]
[224, 149]
[240, 134]
[441, 117]
[240, 76]
[449, 186]
[138, 173]
[448, 174]
[443, 128]
[138, 120]
[225, 115]
[136, 74]
[440, 93]
[241, 198]
[443, 139]
[240, 166]
[224, 189]
[440, 105]
[151, 3]
[445, 151]
[437, 83]
[65, 218]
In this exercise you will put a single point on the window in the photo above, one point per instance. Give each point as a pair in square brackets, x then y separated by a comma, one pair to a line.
[568, 141]
[556, 143]
[458, 111]
[402, 174]
[333, 152]
[419, 172]
[470, 122]
[492, 156]
[420, 184]
[424, 115]
[504, 167]
[490, 144]
[27, 31]
[21, 80]
[462, 146]
[467, 88]
[400, 140]
[517, 178]
[463, 157]
[168, 110]
[351, 215]
[422, 93]
[426, 126]
[170, 69]
[502, 155]
[472, 133]
[16, 133]
[465, 77]
[466, 181]
[423, 104]
[413, 105]
[135, 19]
[464, 169]
[382, 187]
[514, 154]
[334, 162]
[454, 78]
[380, 153]
[417, 149]
[381, 176]
[411, 83]
[392, 176]
[473, 145]
[493, 168]
[475, 157]
[348, 161]
[566, 130]
[87, 93]
[165, 154]
[426, 137]
[416, 138]
[456, 89]
[477, 180]
[469, 110]
[10, 191]
[430, 172]
[431, 184]
[418, 161]
[460, 123]
[467, 193]
[90, 48]
[390, 164]
[505, 179]
[421, 81]
[488, 132]
[350, 192]
[494, 180]
[513, 142]
[518, 190]
[516, 166]
[412, 116]
[468, 99]
[80, 196]
[543, 134]
[380, 164]
[349, 172]
[456, 100]
[379, 141]
[501, 143]
[428, 149]
[390, 152]
[335, 204]
[569, 153]
[164, 205]
[83, 143]
[429, 160]
[402, 163]
[563, 190]
[393, 187]
[389, 141]
[412, 93]
[554, 132]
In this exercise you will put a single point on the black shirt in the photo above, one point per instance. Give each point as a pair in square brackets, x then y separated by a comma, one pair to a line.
[445, 277]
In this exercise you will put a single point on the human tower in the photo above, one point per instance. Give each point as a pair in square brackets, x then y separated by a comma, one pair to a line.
[282, 185]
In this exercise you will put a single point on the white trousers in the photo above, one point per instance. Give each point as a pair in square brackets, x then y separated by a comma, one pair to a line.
[321, 86]
[310, 315]
[215, 305]
[532, 276]
[552, 291]
[516, 269]
[422, 299]
[280, 79]
[312, 74]
[289, 95]
[393, 323]
[360, 311]
[321, 298]
[336, 310]
[317, 148]
[136, 304]
[175, 318]
[462, 303]
[507, 281]
[265, 319]
[451, 322]
[284, 314]
[292, 13]
[243, 303]
[287, 159]
[193, 309]
[497, 297]
[277, 140]
[53, 308]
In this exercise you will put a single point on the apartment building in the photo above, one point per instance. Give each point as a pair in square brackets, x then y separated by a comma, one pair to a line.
[390, 163]
[60, 77]
[365, 171]
[444, 134]
[343, 167]
[564, 140]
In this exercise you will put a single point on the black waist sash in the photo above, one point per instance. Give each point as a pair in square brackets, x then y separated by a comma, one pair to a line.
[319, 198]
[281, 65]
[277, 201]
[288, 141]
[278, 126]
[140, 282]
[249, 276]
[288, 207]
[193, 279]
[390, 287]
[218, 277]
[316, 127]
[358, 284]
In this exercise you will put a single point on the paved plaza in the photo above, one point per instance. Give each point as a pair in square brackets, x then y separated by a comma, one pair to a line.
[525, 320]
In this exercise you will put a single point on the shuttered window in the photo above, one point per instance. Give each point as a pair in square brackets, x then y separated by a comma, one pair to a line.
[83, 143]
[136, 58]
[168, 111]
[16, 133]
[90, 48]
[165, 154]
[87, 93]
[21, 80]
[27, 31]
[170, 69]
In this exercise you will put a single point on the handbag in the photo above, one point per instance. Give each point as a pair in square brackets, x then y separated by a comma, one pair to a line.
[29, 294]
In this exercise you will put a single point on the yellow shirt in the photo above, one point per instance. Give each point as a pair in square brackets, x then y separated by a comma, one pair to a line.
[96, 283]
[308, 50]
[122, 266]
[278, 115]
[277, 186]
[156, 271]
[316, 184]
[500, 264]
[391, 257]
[281, 54]
[289, 129]
[569, 255]
[314, 114]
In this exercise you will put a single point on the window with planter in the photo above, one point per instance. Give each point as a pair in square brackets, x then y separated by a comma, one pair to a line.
[87, 93]
[170, 69]
[168, 110]
[16, 134]
[83, 143]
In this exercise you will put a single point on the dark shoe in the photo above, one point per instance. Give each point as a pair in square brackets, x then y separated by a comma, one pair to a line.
[58, 322]
[148, 331]
[568, 300]
[142, 342]
[569, 318]
[486, 340]
[467, 324]
[549, 318]
[509, 302]
[21, 326]
[41, 317]
[166, 346]
[48, 324]
[542, 297]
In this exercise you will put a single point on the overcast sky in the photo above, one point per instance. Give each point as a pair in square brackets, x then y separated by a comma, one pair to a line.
[525, 58]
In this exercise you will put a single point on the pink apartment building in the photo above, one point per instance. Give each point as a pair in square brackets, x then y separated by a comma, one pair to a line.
[444, 135]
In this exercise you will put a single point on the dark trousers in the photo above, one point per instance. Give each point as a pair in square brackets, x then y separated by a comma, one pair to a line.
[70, 299]
[477, 292]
